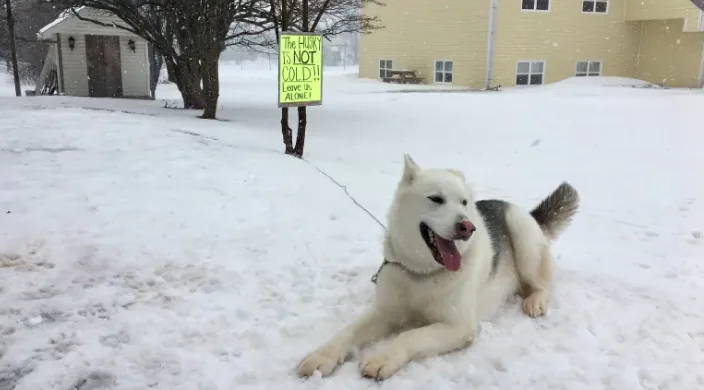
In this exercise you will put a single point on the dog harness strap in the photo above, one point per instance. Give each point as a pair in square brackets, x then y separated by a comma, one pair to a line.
[376, 275]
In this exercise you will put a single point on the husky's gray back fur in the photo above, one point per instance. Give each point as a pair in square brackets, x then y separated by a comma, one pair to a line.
[493, 212]
[555, 212]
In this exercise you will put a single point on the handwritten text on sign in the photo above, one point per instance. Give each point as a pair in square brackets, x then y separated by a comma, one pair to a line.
[300, 70]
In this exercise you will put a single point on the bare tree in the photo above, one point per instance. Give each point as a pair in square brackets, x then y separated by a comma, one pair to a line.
[223, 22]
[327, 17]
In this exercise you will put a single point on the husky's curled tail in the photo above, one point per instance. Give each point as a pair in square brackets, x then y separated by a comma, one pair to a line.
[555, 212]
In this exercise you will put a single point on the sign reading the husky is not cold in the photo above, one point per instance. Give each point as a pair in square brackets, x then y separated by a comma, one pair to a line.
[300, 69]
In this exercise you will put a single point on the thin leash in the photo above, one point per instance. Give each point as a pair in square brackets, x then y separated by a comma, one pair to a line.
[359, 205]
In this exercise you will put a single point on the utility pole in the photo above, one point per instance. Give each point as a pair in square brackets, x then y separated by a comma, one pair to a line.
[13, 47]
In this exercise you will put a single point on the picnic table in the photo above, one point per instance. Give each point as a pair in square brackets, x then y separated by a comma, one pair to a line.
[403, 76]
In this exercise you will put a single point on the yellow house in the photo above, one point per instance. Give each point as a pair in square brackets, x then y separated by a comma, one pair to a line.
[485, 43]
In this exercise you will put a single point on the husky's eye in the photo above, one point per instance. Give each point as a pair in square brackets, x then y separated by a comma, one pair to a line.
[437, 199]
[464, 202]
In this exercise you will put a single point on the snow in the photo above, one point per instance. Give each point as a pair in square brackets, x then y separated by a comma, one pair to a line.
[7, 86]
[142, 248]
[605, 81]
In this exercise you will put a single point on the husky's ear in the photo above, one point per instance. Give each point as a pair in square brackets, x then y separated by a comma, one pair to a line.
[410, 169]
[457, 173]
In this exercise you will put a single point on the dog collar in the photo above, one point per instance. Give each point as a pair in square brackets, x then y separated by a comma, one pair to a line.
[415, 275]
[376, 275]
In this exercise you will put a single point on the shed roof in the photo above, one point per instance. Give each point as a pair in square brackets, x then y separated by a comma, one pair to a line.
[68, 22]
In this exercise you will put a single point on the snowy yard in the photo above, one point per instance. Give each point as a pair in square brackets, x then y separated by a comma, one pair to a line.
[141, 248]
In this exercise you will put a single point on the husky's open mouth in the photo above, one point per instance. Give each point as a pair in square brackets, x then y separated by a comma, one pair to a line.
[444, 251]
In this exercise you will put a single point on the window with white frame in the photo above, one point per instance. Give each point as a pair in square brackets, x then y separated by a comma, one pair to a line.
[594, 6]
[385, 67]
[530, 72]
[588, 68]
[535, 5]
[443, 71]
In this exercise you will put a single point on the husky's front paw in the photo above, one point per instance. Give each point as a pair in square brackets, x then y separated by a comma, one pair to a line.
[382, 365]
[535, 305]
[325, 359]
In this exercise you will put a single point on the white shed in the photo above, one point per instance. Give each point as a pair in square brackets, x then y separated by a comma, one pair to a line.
[91, 60]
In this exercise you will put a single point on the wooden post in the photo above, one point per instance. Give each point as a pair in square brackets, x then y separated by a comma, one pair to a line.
[60, 66]
[13, 47]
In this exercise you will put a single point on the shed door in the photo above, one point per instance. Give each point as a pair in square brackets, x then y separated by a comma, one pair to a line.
[104, 67]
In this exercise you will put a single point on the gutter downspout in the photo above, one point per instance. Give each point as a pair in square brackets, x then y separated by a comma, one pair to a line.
[490, 43]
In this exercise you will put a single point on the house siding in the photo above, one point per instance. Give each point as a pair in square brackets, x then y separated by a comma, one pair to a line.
[670, 56]
[75, 70]
[561, 37]
[135, 68]
[416, 33]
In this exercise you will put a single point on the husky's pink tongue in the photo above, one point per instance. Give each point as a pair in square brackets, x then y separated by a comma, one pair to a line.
[449, 253]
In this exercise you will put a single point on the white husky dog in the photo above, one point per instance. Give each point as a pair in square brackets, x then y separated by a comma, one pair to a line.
[450, 261]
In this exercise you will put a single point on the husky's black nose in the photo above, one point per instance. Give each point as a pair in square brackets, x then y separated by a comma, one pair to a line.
[465, 229]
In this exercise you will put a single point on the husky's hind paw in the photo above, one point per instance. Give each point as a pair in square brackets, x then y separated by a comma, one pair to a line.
[324, 360]
[382, 365]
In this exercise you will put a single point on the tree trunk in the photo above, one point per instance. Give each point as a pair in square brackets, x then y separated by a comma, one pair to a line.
[301, 135]
[156, 61]
[211, 84]
[194, 77]
[286, 131]
[171, 71]
[186, 74]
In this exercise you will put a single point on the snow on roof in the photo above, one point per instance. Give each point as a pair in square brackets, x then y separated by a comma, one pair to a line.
[64, 15]
[70, 15]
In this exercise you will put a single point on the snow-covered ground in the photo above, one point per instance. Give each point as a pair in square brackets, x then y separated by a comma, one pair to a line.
[141, 248]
